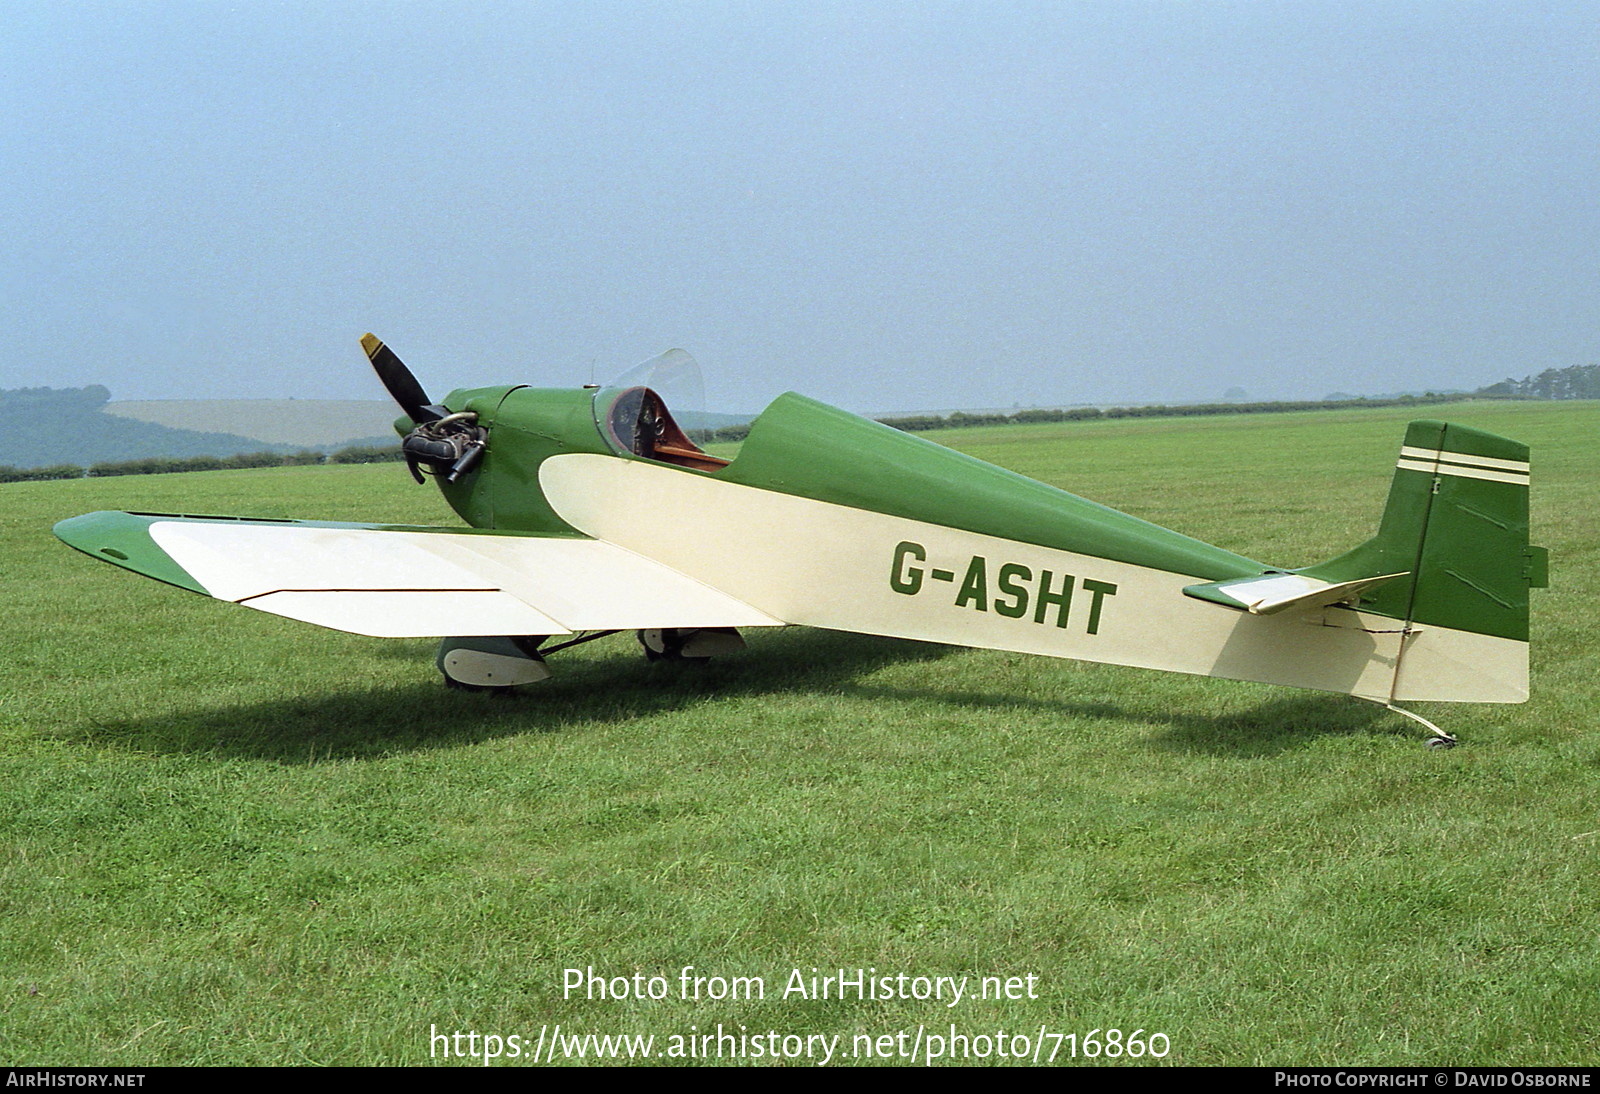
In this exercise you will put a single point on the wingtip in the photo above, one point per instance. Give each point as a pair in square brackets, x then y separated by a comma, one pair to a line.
[123, 539]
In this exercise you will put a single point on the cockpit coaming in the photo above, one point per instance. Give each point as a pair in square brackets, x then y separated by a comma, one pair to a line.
[636, 421]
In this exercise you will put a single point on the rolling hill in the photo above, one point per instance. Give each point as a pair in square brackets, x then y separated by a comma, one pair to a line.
[301, 423]
[70, 426]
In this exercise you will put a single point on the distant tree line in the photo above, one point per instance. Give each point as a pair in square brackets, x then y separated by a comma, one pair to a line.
[162, 465]
[1573, 382]
[961, 419]
[50, 400]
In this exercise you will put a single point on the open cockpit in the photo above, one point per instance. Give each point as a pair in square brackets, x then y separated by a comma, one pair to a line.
[636, 421]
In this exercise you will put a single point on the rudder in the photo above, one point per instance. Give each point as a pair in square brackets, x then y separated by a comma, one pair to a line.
[1457, 523]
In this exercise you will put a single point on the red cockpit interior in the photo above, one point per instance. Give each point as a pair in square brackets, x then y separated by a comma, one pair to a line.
[638, 421]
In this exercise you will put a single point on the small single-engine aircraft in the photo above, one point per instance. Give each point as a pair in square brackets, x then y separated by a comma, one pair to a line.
[591, 510]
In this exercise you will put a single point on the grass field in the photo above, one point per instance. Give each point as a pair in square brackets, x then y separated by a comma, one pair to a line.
[230, 838]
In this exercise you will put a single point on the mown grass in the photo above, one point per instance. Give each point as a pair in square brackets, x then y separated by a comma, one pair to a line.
[231, 838]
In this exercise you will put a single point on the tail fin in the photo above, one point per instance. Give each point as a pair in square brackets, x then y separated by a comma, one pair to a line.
[1457, 524]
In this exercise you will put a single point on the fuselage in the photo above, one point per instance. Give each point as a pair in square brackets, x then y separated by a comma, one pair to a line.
[804, 448]
[827, 519]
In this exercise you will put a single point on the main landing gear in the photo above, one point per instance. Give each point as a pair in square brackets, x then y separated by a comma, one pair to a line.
[689, 644]
[491, 663]
[501, 663]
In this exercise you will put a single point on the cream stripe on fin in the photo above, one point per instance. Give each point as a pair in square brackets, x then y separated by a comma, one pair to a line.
[1486, 462]
[1463, 472]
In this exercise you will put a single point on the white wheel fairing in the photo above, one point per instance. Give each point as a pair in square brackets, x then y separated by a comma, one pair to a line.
[481, 669]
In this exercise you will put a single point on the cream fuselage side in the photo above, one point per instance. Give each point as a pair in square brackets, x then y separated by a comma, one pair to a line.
[827, 565]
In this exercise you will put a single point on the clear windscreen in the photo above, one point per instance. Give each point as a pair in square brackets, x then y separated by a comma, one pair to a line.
[657, 410]
[673, 375]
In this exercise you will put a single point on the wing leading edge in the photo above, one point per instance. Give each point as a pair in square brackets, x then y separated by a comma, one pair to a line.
[409, 582]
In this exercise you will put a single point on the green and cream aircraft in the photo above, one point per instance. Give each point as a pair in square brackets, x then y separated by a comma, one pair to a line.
[591, 511]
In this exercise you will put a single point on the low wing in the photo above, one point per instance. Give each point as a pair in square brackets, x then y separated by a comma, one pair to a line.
[409, 582]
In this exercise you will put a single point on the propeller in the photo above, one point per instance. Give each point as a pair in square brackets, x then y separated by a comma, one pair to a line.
[448, 444]
[398, 381]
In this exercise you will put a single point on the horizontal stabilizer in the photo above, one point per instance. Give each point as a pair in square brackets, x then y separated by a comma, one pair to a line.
[1270, 594]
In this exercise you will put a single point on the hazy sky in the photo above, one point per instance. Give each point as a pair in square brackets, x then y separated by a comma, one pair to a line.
[886, 206]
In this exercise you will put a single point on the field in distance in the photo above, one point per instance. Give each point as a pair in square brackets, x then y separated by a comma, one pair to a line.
[313, 423]
[230, 838]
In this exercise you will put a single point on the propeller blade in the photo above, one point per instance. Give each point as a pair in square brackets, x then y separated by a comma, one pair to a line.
[399, 382]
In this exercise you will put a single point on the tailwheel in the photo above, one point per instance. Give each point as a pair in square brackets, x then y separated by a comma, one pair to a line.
[689, 643]
[1437, 738]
